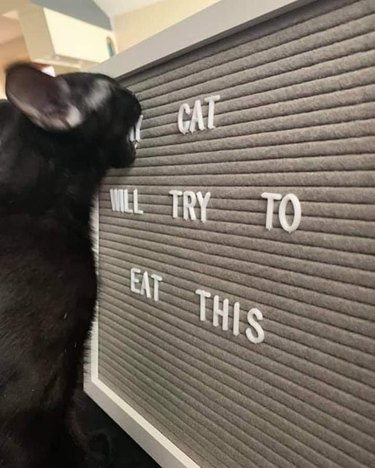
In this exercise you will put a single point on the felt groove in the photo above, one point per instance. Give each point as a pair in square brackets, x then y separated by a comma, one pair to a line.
[308, 90]
[260, 148]
[308, 394]
[157, 396]
[265, 80]
[290, 27]
[265, 405]
[350, 42]
[181, 374]
[299, 280]
[261, 44]
[271, 264]
[157, 375]
[345, 162]
[333, 268]
[227, 436]
[309, 239]
[146, 404]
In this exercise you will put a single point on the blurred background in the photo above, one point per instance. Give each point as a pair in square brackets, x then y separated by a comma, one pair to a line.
[61, 36]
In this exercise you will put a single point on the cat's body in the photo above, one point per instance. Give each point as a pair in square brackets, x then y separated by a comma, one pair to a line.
[48, 177]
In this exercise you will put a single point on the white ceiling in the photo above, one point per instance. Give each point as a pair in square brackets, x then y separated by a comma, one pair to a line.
[117, 7]
[9, 29]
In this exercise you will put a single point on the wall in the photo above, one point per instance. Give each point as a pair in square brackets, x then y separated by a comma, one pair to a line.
[84, 10]
[45, 32]
[84, 41]
[135, 26]
[11, 51]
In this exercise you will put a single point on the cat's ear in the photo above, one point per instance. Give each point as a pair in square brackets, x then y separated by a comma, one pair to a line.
[45, 100]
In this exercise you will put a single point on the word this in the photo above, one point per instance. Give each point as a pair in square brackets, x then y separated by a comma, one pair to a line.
[121, 202]
[145, 284]
[220, 313]
[189, 200]
[186, 124]
[290, 197]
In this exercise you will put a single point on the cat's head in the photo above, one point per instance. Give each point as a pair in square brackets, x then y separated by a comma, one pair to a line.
[92, 106]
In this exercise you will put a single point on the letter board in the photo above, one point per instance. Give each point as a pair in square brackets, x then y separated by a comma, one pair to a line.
[236, 256]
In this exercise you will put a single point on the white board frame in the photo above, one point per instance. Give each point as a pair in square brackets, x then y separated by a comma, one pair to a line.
[221, 19]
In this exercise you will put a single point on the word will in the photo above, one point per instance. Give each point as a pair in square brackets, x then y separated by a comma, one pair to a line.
[121, 202]
[189, 201]
[220, 310]
[145, 284]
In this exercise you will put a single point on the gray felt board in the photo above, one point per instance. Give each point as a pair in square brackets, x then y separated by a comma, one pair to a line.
[295, 116]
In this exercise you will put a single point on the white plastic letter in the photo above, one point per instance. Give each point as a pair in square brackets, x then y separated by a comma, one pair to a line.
[271, 197]
[157, 280]
[134, 280]
[297, 212]
[197, 117]
[203, 202]
[224, 313]
[236, 319]
[175, 194]
[135, 203]
[145, 286]
[254, 324]
[183, 126]
[123, 200]
[211, 110]
[126, 207]
[115, 199]
[189, 201]
[203, 296]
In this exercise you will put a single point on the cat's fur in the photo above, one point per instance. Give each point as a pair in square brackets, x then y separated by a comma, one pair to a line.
[58, 137]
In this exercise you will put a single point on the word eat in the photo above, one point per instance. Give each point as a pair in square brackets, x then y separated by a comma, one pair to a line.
[271, 197]
[189, 202]
[220, 310]
[120, 201]
[137, 277]
[186, 125]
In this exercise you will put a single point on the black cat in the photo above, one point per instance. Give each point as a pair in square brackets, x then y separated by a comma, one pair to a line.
[58, 137]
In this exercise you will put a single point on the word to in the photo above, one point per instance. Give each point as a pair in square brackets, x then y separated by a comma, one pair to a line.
[189, 201]
[186, 125]
[271, 197]
[148, 287]
[221, 314]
